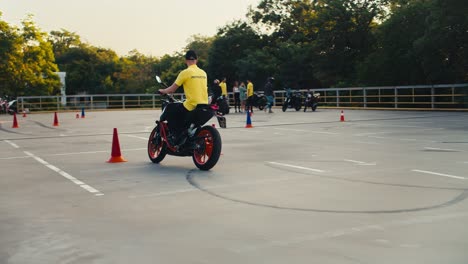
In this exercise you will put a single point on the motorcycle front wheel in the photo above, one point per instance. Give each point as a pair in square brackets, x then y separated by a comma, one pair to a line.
[297, 104]
[208, 148]
[285, 106]
[156, 146]
[261, 103]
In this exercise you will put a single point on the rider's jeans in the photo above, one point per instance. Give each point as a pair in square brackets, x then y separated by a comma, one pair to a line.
[270, 100]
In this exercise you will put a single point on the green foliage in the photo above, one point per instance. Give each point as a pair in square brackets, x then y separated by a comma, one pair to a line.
[302, 43]
[422, 42]
[28, 64]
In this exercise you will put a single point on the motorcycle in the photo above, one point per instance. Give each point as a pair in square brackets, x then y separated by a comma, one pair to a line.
[222, 105]
[12, 107]
[293, 100]
[311, 101]
[202, 142]
[259, 101]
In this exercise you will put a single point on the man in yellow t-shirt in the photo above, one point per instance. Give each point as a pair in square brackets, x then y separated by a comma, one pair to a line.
[223, 87]
[250, 97]
[195, 85]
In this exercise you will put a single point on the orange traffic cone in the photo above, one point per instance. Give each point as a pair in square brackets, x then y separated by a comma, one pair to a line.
[77, 115]
[116, 156]
[342, 116]
[249, 122]
[56, 123]
[24, 113]
[15, 121]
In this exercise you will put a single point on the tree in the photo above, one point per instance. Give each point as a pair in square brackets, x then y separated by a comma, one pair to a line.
[30, 67]
[63, 40]
[233, 43]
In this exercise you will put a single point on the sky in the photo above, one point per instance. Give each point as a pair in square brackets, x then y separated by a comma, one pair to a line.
[153, 27]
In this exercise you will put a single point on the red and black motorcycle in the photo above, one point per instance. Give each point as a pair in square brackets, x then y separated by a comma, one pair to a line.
[202, 142]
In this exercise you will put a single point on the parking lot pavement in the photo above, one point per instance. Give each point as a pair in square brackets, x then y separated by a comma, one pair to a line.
[381, 187]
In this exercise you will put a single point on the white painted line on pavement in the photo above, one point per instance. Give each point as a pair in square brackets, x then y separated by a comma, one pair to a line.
[20, 157]
[89, 152]
[441, 149]
[11, 143]
[132, 136]
[370, 143]
[360, 162]
[440, 174]
[368, 134]
[308, 131]
[430, 129]
[294, 166]
[65, 175]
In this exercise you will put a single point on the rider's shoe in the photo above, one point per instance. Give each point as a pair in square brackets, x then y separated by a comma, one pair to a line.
[270, 112]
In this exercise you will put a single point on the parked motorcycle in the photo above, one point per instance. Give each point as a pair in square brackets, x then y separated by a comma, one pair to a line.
[258, 100]
[222, 105]
[12, 107]
[202, 142]
[311, 101]
[293, 100]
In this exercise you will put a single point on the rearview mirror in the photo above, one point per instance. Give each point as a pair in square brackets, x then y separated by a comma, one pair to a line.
[158, 79]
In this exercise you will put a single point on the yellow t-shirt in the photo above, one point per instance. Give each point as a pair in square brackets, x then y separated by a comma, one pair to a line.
[195, 85]
[223, 88]
[250, 90]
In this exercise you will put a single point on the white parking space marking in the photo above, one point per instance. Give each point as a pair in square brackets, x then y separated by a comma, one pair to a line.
[90, 152]
[65, 175]
[11, 143]
[132, 136]
[377, 137]
[308, 131]
[369, 143]
[440, 174]
[19, 157]
[296, 167]
[368, 134]
[441, 149]
[360, 162]
[430, 129]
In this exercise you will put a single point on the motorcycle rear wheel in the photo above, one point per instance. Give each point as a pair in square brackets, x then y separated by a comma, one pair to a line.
[314, 107]
[208, 148]
[156, 147]
[297, 104]
[261, 103]
[285, 106]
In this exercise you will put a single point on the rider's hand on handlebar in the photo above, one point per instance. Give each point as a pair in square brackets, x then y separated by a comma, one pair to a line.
[162, 91]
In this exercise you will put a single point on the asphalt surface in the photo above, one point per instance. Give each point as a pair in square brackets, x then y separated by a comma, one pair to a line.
[381, 187]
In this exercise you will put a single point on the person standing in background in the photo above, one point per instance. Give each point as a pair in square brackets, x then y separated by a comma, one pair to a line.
[235, 90]
[250, 97]
[268, 89]
[242, 95]
[223, 87]
[224, 92]
[215, 91]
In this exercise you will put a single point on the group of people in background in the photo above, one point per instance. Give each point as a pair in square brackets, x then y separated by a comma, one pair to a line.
[242, 94]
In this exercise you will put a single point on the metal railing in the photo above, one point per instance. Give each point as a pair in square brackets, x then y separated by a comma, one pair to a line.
[432, 97]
